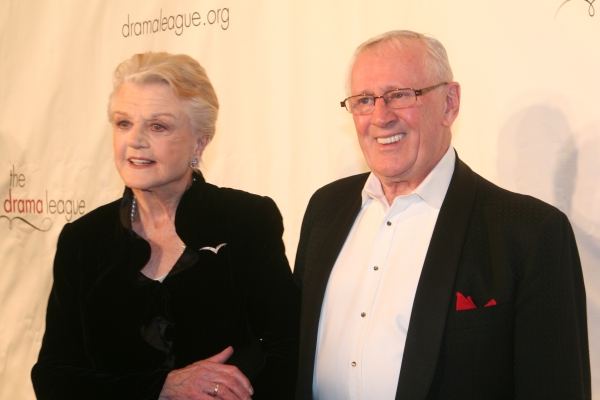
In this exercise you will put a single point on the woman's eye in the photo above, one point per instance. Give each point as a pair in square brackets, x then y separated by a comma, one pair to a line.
[158, 127]
[122, 124]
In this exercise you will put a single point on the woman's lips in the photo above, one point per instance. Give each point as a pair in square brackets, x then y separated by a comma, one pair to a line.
[140, 161]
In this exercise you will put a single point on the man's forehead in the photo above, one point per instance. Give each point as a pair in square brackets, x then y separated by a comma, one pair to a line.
[388, 67]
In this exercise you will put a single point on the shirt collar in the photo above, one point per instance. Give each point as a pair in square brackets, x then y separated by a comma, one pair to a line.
[432, 190]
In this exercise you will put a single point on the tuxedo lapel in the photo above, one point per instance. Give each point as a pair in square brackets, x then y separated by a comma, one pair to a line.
[330, 239]
[434, 291]
[332, 242]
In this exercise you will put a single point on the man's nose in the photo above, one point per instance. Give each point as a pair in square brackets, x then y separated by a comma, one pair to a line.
[382, 114]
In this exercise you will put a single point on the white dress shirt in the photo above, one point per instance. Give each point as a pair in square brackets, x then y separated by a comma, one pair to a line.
[371, 289]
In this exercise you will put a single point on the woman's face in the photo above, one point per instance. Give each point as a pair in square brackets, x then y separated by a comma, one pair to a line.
[153, 141]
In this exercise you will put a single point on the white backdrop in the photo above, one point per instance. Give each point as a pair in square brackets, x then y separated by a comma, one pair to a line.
[529, 118]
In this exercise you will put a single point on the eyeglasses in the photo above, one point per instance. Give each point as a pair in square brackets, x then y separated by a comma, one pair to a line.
[362, 104]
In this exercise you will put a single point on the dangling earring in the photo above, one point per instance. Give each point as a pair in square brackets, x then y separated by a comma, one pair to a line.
[194, 163]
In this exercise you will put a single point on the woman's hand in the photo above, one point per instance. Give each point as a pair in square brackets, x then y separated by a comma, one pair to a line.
[208, 379]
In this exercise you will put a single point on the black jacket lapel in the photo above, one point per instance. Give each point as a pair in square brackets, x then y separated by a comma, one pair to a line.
[316, 276]
[434, 291]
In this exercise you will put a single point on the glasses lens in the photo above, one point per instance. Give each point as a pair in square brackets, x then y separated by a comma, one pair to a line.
[400, 98]
[360, 104]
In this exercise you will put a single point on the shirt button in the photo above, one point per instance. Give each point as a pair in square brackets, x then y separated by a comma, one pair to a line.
[362, 314]
[376, 268]
[353, 364]
[389, 223]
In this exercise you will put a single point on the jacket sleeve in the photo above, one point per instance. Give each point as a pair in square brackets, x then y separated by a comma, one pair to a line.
[551, 357]
[64, 371]
[273, 303]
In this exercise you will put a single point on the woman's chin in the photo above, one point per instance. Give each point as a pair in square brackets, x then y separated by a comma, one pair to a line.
[138, 184]
[177, 185]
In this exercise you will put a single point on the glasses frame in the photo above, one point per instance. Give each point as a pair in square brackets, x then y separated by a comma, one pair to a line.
[418, 92]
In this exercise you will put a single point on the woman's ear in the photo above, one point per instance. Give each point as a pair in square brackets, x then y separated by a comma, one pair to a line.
[452, 103]
[201, 145]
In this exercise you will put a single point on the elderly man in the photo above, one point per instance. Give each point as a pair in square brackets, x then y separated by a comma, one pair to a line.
[422, 280]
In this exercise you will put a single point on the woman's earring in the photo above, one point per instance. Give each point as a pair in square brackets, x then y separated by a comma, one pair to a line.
[194, 163]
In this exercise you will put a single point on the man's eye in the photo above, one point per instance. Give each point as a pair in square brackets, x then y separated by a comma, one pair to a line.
[397, 95]
[364, 100]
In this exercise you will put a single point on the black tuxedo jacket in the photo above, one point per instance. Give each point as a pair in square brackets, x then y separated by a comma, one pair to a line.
[488, 243]
[112, 333]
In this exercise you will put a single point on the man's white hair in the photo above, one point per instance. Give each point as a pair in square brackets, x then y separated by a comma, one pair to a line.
[436, 62]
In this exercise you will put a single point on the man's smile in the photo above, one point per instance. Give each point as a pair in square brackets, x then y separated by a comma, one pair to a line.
[391, 139]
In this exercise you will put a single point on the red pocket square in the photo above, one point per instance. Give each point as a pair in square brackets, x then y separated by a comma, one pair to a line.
[463, 303]
[492, 302]
[466, 303]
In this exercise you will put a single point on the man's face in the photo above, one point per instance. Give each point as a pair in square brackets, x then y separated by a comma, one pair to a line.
[402, 146]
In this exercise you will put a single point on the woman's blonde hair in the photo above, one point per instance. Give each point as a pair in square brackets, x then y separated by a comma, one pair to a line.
[184, 75]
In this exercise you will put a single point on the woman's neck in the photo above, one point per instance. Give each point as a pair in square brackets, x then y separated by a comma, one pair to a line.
[158, 206]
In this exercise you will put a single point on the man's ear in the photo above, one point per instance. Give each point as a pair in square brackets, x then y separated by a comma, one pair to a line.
[452, 103]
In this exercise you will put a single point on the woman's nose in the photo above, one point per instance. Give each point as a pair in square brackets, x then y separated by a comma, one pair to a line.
[137, 137]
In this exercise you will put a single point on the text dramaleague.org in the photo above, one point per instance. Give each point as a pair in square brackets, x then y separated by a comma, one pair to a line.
[176, 23]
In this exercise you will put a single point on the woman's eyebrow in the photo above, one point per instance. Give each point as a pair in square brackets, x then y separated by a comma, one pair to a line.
[163, 114]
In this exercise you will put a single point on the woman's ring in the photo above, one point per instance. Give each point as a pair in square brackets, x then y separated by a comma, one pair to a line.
[215, 393]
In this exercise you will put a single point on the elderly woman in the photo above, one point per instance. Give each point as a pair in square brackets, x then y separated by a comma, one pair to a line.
[180, 289]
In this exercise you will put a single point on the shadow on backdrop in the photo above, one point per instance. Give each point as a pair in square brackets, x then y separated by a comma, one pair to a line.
[539, 154]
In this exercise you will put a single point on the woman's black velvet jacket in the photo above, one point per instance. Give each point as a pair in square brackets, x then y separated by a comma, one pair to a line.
[112, 333]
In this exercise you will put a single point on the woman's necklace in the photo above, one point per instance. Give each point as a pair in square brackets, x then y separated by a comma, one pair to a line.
[133, 209]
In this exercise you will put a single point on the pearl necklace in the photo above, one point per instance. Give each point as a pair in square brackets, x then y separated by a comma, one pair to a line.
[133, 209]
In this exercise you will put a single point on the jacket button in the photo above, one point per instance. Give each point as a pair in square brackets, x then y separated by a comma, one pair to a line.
[353, 364]
[389, 223]
[376, 268]
[362, 314]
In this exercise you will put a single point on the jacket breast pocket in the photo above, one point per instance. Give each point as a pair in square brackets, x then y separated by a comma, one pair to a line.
[477, 349]
[499, 314]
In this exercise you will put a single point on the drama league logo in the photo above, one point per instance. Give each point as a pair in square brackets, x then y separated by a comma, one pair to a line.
[176, 23]
[591, 10]
[35, 211]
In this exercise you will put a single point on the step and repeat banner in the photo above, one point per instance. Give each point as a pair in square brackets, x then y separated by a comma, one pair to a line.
[529, 119]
